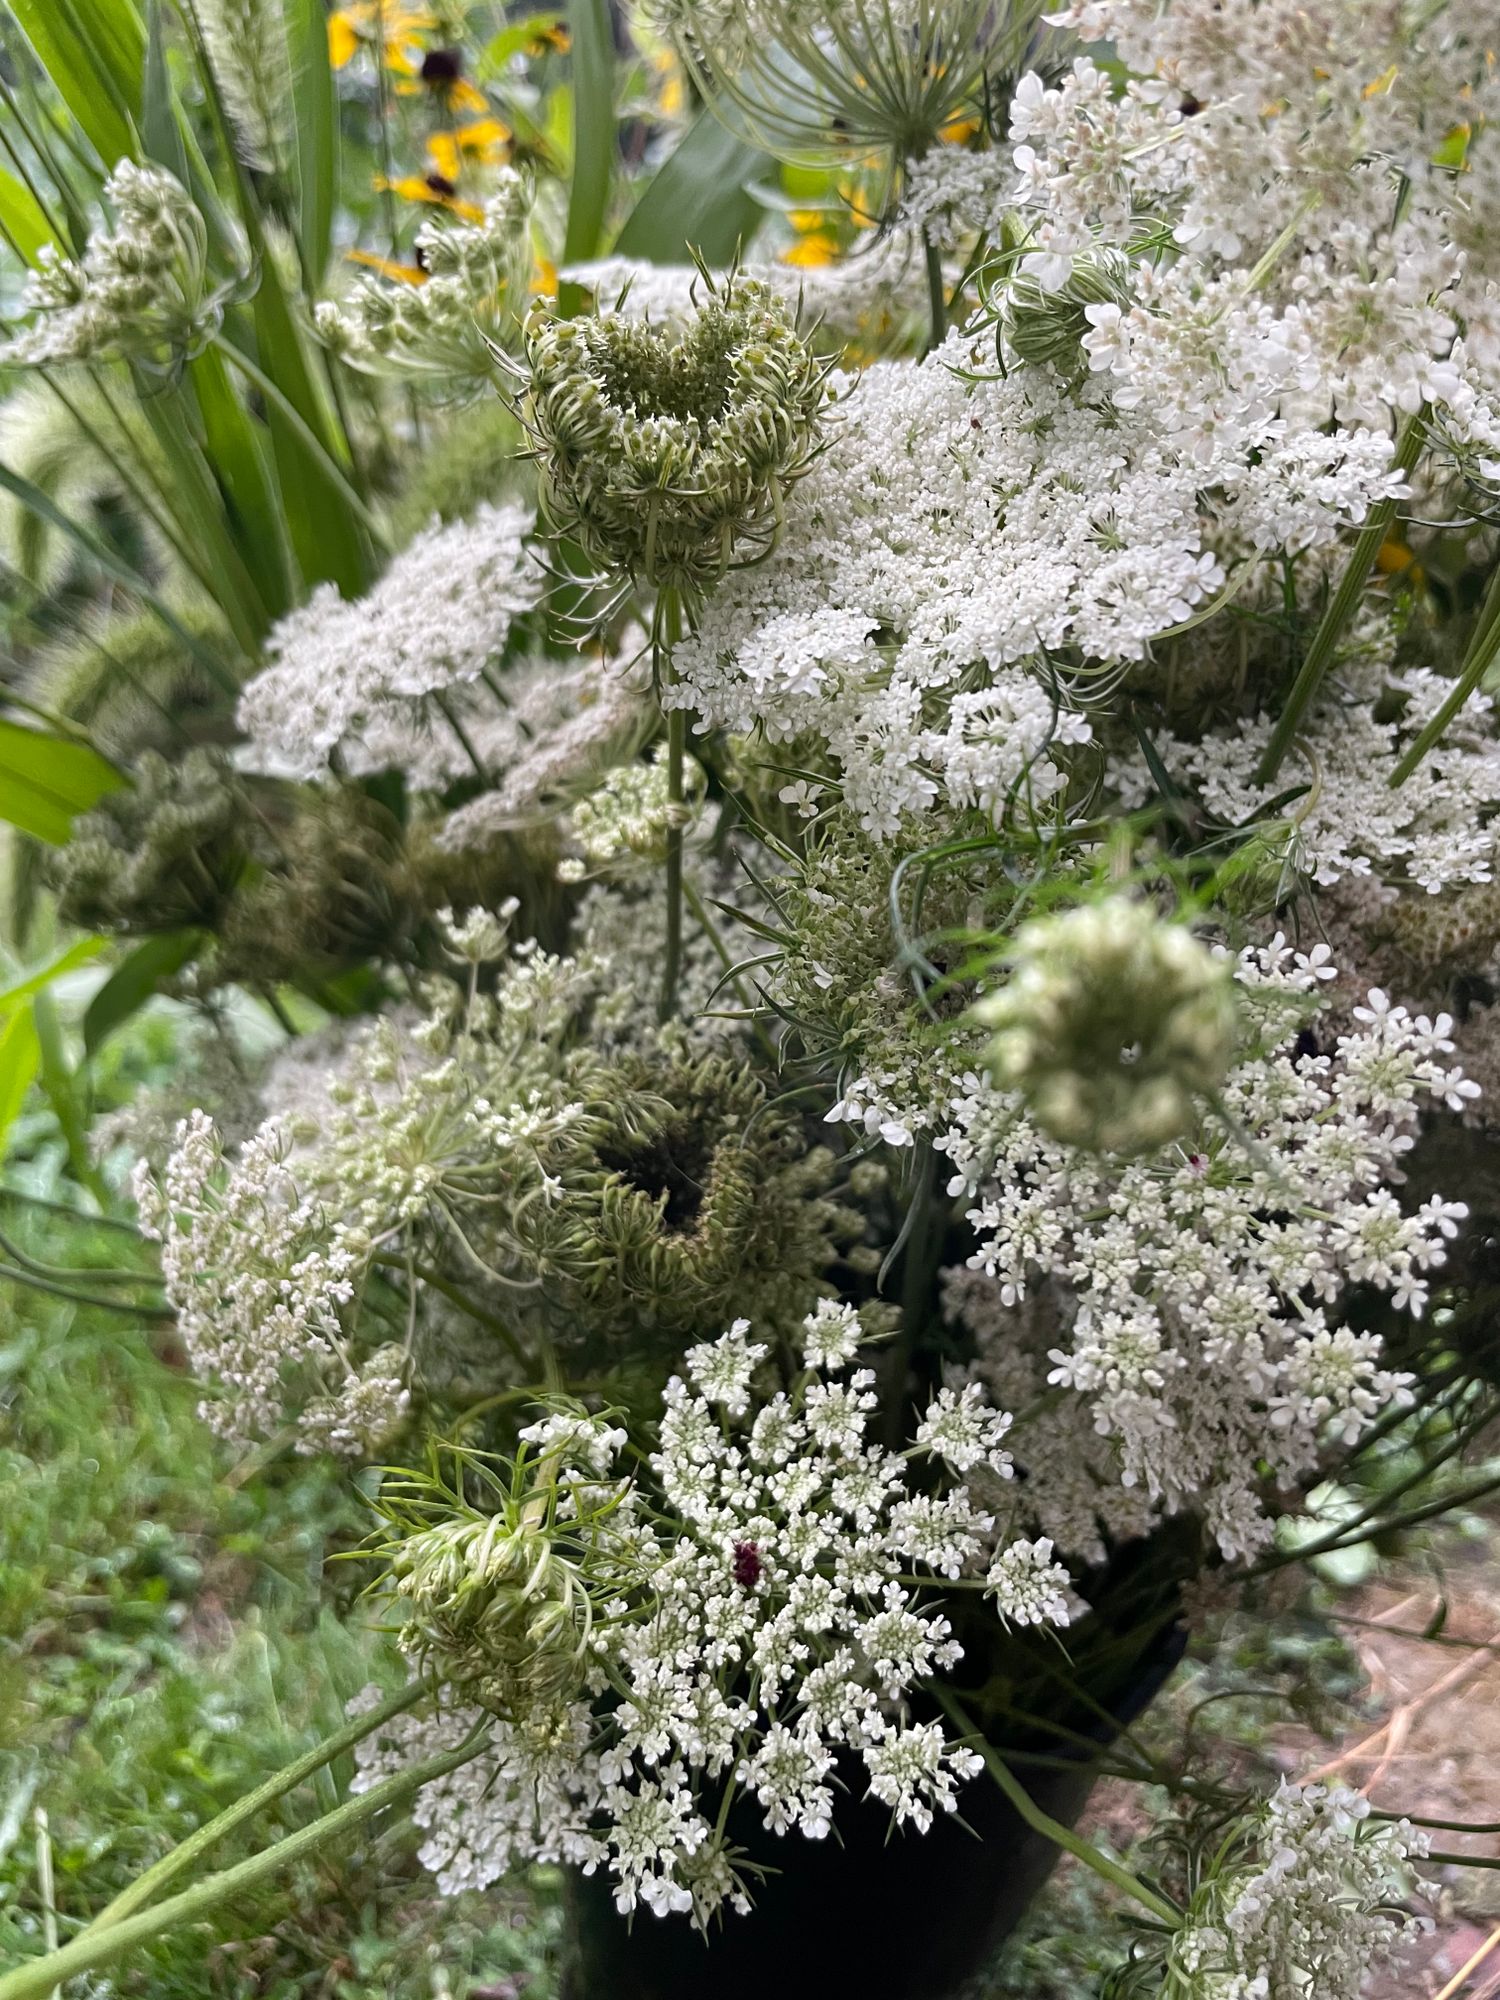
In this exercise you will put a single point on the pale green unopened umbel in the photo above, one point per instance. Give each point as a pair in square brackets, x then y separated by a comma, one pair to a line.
[667, 455]
[1112, 1025]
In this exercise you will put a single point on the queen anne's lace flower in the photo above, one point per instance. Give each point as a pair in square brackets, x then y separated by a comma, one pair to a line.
[668, 456]
[764, 1625]
[1199, 1278]
[469, 290]
[1301, 1902]
[348, 677]
[143, 289]
[960, 538]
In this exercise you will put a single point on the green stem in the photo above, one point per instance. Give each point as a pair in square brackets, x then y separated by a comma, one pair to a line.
[1409, 442]
[916, 1288]
[65, 1274]
[937, 304]
[666, 632]
[206, 1900]
[1040, 1822]
[1481, 657]
[332, 471]
[30, 1283]
[156, 1877]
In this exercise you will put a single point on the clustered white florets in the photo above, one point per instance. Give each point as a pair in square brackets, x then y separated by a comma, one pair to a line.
[354, 677]
[790, 1605]
[1305, 1901]
[994, 527]
[1197, 1283]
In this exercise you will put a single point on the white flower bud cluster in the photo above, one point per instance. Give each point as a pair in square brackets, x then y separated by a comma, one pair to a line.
[354, 677]
[142, 291]
[628, 817]
[470, 290]
[1112, 1025]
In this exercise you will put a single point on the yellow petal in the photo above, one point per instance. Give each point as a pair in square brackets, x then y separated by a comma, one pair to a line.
[485, 138]
[809, 252]
[402, 274]
[342, 40]
[443, 151]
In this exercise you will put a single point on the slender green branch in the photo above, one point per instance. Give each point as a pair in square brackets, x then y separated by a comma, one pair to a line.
[37, 1979]
[1341, 606]
[1040, 1822]
[937, 304]
[66, 1274]
[91, 1299]
[667, 629]
[147, 1885]
[457, 1297]
[1483, 648]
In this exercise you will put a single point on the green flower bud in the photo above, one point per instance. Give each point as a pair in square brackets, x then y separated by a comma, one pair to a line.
[1044, 326]
[668, 457]
[1111, 1025]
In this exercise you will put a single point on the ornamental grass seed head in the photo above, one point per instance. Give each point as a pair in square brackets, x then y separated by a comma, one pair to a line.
[668, 456]
[1112, 1024]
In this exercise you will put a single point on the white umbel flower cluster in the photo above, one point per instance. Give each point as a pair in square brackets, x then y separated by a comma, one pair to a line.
[963, 540]
[469, 289]
[1304, 1902]
[354, 678]
[141, 291]
[1201, 1280]
[790, 1604]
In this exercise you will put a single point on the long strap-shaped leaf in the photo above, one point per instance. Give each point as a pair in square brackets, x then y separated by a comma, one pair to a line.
[1483, 649]
[1341, 605]
[699, 202]
[94, 53]
[594, 136]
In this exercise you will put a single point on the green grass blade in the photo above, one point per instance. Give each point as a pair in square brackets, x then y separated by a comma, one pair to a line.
[99, 551]
[235, 456]
[133, 982]
[21, 219]
[38, 1977]
[161, 134]
[60, 1085]
[94, 53]
[699, 201]
[315, 113]
[594, 136]
[20, 1059]
[156, 1878]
